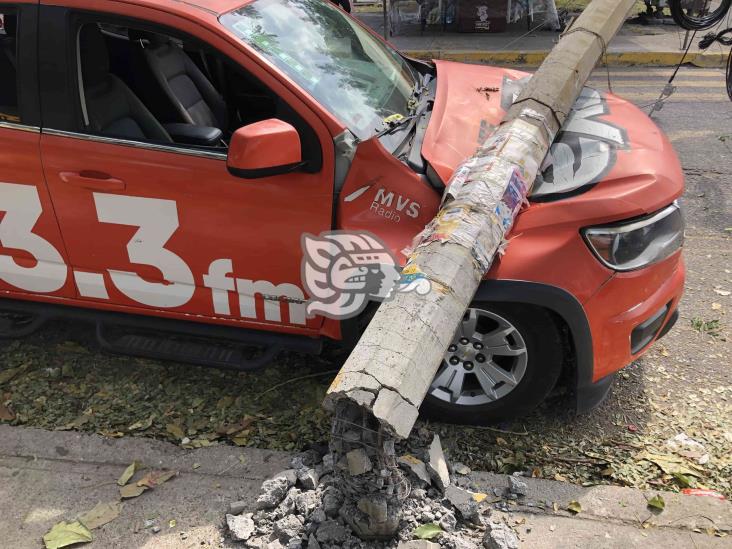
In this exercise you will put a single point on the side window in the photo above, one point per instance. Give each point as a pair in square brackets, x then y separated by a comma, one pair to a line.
[146, 84]
[9, 111]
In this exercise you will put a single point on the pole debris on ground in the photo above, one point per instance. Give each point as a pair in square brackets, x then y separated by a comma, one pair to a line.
[375, 398]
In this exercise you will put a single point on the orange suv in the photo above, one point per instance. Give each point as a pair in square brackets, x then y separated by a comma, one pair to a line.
[160, 162]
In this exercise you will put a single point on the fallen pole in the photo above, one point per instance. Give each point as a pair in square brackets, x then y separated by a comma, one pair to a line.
[388, 374]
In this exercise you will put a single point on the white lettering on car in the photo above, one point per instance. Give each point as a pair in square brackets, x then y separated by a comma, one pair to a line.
[221, 285]
[585, 150]
[294, 297]
[157, 220]
[23, 209]
[381, 204]
[383, 201]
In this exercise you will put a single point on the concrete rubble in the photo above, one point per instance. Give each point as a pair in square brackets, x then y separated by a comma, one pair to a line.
[241, 526]
[308, 507]
[500, 536]
[517, 486]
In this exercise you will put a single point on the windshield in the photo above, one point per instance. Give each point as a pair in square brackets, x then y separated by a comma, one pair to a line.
[358, 78]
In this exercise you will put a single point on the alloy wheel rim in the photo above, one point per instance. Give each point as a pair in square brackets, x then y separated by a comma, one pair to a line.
[485, 361]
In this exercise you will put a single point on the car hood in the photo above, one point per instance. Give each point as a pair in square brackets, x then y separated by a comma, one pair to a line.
[605, 141]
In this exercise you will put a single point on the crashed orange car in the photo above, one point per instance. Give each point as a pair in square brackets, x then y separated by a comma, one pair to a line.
[161, 162]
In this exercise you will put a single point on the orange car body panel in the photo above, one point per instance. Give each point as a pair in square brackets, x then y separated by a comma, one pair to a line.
[257, 224]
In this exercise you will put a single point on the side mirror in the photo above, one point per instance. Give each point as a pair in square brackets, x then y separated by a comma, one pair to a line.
[266, 148]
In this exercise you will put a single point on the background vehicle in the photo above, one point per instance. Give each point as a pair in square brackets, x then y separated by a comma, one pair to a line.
[163, 160]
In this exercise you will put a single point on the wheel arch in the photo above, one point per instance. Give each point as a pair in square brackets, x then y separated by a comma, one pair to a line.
[570, 311]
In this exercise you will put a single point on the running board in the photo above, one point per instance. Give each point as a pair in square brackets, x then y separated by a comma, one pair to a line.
[167, 346]
[161, 338]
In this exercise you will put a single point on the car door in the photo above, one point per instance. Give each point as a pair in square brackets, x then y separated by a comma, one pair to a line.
[166, 228]
[32, 257]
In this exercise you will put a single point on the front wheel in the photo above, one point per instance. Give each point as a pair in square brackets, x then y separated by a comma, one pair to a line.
[503, 361]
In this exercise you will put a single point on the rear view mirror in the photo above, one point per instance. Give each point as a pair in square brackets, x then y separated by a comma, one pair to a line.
[263, 149]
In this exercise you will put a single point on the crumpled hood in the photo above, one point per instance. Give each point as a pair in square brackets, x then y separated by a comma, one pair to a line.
[464, 114]
[605, 140]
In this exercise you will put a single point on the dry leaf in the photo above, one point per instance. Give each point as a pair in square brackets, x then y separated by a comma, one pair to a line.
[131, 491]
[574, 507]
[6, 414]
[128, 473]
[175, 430]
[75, 424]
[101, 514]
[142, 424]
[427, 531]
[668, 464]
[8, 375]
[156, 478]
[64, 534]
[656, 502]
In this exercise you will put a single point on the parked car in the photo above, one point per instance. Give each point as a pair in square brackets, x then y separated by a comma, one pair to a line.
[161, 160]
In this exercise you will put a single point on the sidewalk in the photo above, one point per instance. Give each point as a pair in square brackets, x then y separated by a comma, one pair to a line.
[634, 45]
[49, 476]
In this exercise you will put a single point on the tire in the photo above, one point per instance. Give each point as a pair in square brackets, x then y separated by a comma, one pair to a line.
[694, 18]
[534, 373]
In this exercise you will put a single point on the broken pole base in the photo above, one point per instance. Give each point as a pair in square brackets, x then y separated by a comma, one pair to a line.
[366, 467]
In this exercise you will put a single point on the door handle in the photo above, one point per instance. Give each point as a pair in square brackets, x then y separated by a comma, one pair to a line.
[97, 181]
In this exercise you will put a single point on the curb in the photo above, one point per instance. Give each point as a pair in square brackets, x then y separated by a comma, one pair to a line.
[536, 57]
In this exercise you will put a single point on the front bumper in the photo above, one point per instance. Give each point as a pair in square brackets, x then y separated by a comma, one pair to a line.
[631, 311]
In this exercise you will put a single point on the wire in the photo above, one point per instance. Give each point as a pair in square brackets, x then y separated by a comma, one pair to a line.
[669, 89]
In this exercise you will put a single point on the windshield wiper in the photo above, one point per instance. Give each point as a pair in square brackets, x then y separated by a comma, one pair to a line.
[393, 124]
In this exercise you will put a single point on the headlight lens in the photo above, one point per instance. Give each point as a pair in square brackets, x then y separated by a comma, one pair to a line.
[636, 244]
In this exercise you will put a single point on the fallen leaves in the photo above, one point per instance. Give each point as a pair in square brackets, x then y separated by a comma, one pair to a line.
[142, 425]
[6, 412]
[657, 503]
[176, 430]
[128, 473]
[10, 373]
[670, 464]
[131, 491]
[427, 531]
[76, 423]
[156, 478]
[151, 480]
[64, 534]
[100, 515]
[574, 507]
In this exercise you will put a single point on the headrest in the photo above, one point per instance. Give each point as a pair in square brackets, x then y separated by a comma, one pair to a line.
[94, 55]
[157, 40]
[10, 24]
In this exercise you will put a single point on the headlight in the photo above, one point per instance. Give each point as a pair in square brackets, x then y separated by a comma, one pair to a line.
[636, 244]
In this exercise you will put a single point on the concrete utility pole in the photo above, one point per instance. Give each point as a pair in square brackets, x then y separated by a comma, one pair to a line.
[385, 379]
